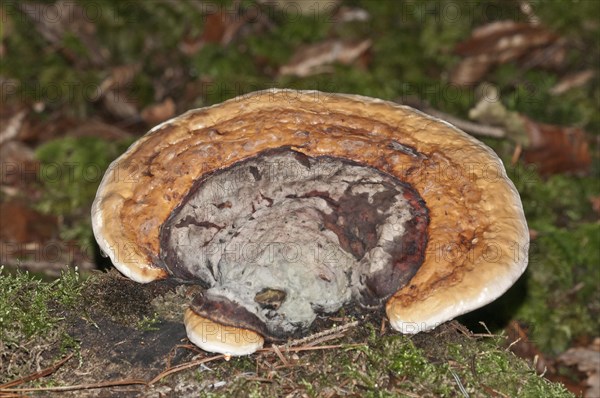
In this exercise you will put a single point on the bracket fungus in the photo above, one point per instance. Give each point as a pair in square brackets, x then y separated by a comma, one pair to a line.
[285, 204]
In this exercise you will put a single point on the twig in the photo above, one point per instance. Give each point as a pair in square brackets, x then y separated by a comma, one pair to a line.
[321, 347]
[484, 130]
[325, 339]
[37, 375]
[12, 127]
[184, 366]
[104, 384]
[334, 330]
[466, 332]
[280, 355]
[516, 154]
[473, 128]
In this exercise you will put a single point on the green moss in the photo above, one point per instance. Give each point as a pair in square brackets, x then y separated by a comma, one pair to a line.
[31, 320]
[561, 281]
[559, 200]
[149, 323]
[563, 299]
[71, 169]
[441, 364]
[28, 306]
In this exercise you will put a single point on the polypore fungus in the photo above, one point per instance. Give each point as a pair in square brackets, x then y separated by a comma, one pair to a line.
[287, 204]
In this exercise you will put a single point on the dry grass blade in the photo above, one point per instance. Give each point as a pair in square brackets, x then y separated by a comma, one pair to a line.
[459, 383]
[318, 336]
[325, 339]
[477, 129]
[280, 355]
[310, 348]
[75, 387]
[12, 127]
[184, 366]
[37, 375]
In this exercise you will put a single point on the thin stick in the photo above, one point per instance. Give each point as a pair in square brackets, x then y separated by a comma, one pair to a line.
[104, 384]
[334, 330]
[280, 355]
[468, 126]
[325, 339]
[321, 347]
[184, 366]
[37, 375]
[472, 128]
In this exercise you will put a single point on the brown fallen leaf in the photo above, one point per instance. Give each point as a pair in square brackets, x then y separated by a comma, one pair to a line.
[97, 128]
[554, 149]
[120, 105]
[505, 41]
[221, 28]
[113, 92]
[215, 26]
[157, 113]
[533, 234]
[595, 201]
[18, 165]
[119, 78]
[587, 360]
[557, 149]
[315, 58]
[522, 346]
[21, 224]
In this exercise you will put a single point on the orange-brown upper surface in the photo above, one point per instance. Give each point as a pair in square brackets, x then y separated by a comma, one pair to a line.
[477, 232]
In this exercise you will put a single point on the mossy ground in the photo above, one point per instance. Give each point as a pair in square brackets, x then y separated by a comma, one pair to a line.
[120, 330]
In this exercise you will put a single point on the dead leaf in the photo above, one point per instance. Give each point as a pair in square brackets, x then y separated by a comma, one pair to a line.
[96, 128]
[120, 105]
[215, 26]
[556, 149]
[533, 234]
[587, 360]
[595, 201]
[315, 58]
[20, 224]
[505, 41]
[113, 92]
[157, 113]
[522, 346]
[18, 166]
[219, 28]
[120, 78]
